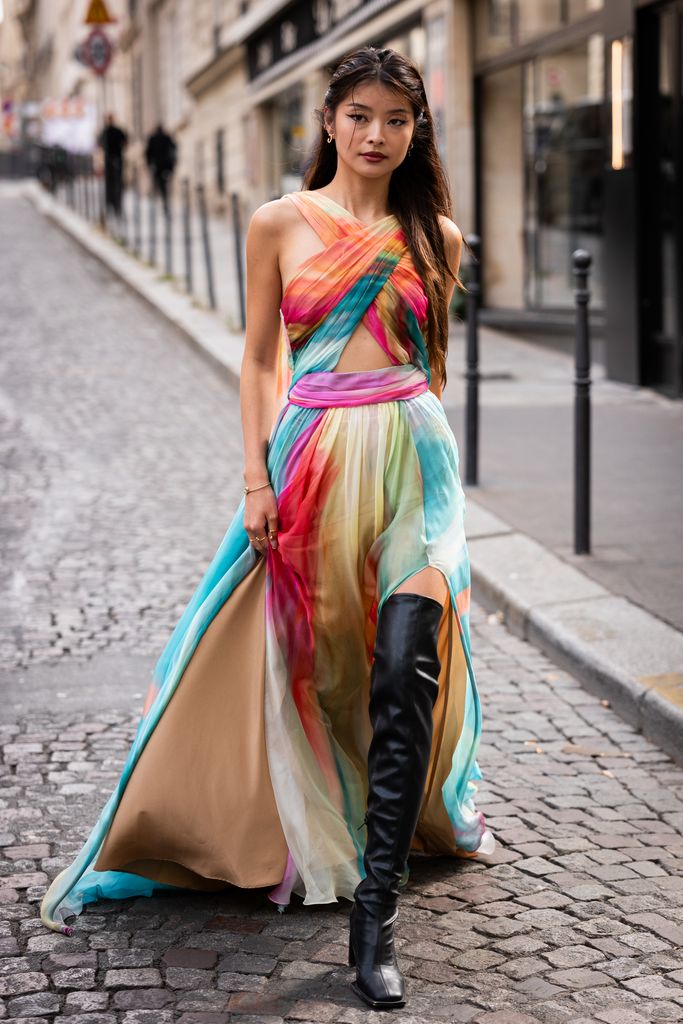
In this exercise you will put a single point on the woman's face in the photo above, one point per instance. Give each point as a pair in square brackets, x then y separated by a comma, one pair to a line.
[372, 119]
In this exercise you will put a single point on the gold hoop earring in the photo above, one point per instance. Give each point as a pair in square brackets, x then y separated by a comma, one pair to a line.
[410, 147]
[329, 138]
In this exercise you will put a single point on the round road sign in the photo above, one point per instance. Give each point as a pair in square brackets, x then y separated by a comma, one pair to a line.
[97, 51]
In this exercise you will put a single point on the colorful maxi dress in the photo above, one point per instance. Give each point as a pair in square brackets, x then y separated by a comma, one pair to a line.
[249, 764]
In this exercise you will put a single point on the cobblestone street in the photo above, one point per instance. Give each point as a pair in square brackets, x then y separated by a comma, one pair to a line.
[121, 453]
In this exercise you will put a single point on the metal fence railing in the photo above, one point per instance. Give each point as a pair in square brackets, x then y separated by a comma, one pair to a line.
[200, 252]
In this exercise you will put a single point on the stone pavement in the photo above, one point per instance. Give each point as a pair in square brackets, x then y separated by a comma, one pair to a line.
[122, 455]
[577, 917]
[121, 450]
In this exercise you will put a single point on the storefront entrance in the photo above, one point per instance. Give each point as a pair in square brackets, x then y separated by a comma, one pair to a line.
[660, 198]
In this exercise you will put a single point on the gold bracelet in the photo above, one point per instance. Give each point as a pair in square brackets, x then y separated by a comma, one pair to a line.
[258, 488]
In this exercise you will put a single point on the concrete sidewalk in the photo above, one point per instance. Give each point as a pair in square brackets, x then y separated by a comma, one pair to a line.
[613, 618]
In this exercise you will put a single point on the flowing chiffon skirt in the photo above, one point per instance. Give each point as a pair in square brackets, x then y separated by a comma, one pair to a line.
[249, 766]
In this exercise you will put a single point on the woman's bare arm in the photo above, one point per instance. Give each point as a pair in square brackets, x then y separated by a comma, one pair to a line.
[258, 375]
[452, 237]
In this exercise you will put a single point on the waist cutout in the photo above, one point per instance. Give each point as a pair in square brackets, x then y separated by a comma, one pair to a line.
[324, 388]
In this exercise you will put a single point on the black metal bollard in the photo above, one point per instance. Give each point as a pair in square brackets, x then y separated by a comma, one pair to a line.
[201, 205]
[582, 408]
[187, 234]
[137, 221]
[152, 199]
[472, 366]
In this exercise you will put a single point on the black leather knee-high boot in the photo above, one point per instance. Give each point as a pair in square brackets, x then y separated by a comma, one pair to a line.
[403, 689]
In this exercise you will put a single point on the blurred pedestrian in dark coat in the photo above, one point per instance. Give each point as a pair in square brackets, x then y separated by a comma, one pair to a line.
[161, 154]
[113, 140]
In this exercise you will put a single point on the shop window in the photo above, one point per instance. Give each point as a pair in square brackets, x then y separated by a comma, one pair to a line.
[289, 126]
[565, 157]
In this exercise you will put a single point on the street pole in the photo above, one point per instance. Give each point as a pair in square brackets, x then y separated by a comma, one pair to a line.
[187, 234]
[103, 187]
[201, 204]
[137, 225]
[168, 231]
[582, 409]
[152, 224]
[472, 366]
[237, 229]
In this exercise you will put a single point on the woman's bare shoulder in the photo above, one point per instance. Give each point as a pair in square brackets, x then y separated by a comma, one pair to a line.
[272, 218]
[452, 237]
[451, 232]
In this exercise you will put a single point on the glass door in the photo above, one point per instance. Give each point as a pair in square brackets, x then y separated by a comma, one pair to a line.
[660, 39]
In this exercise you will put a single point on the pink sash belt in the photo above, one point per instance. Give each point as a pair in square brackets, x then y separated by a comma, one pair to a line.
[358, 387]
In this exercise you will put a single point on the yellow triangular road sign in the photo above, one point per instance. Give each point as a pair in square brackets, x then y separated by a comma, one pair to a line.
[98, 14]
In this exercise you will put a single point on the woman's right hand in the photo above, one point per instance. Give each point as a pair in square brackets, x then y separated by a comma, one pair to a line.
[260, 517]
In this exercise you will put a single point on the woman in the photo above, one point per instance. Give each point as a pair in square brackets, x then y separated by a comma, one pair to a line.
[324, 657]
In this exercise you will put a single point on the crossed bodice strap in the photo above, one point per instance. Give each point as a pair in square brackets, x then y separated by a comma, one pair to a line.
[364, 273]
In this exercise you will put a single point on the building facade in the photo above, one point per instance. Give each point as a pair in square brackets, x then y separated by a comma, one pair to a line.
[559, 122]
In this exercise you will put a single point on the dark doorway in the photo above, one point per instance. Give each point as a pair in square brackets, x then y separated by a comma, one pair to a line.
[659, 70]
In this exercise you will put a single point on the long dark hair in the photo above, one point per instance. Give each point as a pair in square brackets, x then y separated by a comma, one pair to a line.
[418, 190]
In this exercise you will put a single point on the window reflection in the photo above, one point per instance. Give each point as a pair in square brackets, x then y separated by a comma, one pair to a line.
[565, 152]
